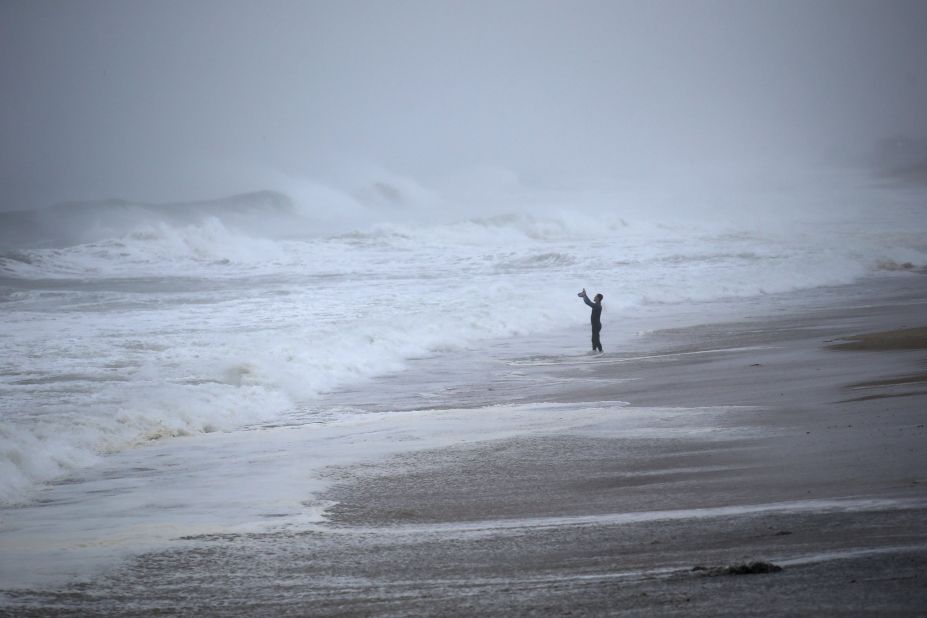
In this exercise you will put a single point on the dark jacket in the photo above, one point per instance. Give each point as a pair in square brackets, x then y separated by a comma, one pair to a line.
[596, 311]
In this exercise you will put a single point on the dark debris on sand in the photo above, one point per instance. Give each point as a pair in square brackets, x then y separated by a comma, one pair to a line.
[751, 568]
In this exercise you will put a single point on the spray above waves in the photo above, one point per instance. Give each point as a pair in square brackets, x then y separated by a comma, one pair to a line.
[304, 209]
[263, 231]
[263, 212]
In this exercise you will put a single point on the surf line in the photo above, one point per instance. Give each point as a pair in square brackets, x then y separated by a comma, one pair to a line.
[517, 363]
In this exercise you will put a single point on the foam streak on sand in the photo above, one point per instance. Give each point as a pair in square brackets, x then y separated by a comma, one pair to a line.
[509, 526]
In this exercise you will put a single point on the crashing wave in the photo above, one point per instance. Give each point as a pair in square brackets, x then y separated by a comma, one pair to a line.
[75, 223]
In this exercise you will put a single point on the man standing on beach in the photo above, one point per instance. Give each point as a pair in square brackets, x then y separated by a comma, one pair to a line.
[596, 305]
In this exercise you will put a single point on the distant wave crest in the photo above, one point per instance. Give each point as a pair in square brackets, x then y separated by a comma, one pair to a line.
[86, 222]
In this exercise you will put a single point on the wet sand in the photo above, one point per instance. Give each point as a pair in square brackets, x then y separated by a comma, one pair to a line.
[797, 440]
[899, 339]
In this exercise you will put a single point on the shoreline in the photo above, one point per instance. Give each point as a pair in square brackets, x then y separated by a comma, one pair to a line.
[547, 484]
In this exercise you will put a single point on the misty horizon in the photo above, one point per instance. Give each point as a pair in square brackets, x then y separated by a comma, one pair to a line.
[172, 102]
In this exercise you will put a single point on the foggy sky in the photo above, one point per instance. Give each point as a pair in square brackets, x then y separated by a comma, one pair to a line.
[163, 100]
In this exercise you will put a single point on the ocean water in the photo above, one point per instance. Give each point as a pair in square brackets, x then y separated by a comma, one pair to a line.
[129, 329]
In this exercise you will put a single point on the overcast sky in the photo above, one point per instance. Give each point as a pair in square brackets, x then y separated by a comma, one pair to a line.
[163, 100]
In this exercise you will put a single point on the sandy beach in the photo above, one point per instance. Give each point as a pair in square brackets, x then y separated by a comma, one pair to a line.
[621, 484]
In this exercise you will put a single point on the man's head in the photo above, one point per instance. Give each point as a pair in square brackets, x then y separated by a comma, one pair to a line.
[598, 298]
